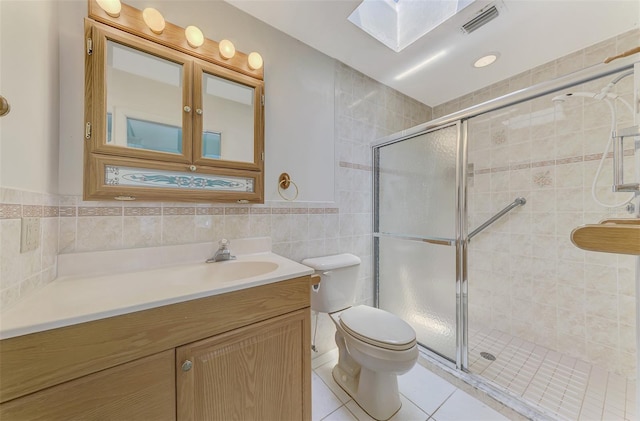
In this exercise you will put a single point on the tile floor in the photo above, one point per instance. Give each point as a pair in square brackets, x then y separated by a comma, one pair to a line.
[424, 395]
[564, 387]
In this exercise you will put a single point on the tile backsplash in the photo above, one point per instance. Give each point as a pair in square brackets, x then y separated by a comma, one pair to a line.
[21, 273]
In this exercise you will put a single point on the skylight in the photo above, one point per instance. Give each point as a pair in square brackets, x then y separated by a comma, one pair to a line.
[399, 23]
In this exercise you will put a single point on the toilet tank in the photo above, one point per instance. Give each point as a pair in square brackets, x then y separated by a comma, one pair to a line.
[338, 280]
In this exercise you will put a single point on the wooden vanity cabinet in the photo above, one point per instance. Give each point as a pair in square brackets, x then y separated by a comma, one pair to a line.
[141, 389]
[252, 373]
[241, 355]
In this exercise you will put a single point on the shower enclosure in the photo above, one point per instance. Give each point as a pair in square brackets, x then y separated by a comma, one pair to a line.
[472, 220]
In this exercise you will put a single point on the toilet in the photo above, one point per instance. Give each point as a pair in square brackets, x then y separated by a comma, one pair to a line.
[374, 346]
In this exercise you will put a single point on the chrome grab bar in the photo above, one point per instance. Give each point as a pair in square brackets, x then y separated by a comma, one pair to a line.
[430, 240]
[520, 201]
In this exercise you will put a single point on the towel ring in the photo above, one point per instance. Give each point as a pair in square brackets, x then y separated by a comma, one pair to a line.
[4, 106]
[284, 181]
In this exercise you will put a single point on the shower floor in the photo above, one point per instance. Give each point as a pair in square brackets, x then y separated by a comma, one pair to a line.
[560, 386]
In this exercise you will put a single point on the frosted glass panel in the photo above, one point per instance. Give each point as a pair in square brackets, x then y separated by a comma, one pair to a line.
[417, 185]
[416, 198]
[418, 283]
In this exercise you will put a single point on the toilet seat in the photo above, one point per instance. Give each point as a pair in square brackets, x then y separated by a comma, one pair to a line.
[378, 328]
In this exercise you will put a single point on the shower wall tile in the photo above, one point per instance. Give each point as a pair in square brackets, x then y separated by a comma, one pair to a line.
[595, 53]
[580, 303]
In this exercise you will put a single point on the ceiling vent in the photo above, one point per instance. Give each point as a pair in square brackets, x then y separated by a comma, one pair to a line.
[481, 19]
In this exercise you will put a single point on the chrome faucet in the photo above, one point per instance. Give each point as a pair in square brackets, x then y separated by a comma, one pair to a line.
[223, 253]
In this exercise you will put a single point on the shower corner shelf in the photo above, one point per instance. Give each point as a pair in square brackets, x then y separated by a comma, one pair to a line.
[609, 236]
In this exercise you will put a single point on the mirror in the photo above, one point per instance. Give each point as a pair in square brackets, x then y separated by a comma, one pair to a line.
[144, 97]
[144, 107]
[227, 126]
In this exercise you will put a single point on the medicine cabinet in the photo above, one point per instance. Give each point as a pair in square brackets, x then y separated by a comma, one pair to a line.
[167, 121]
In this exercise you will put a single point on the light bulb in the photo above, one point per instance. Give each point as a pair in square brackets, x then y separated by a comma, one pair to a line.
[255, 61]
[227, 50]
[154, 20]
[194, 35]
[112, 7]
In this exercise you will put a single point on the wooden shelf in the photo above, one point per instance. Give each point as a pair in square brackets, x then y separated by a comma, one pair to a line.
[609, 236]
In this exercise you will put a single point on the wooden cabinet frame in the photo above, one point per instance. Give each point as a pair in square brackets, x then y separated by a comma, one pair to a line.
[128, 30]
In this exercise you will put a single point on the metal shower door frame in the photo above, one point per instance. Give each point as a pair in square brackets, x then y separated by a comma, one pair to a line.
[459, 242]
[460, 118]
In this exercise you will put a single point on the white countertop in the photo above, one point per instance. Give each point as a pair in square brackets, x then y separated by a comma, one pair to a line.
[76, 298]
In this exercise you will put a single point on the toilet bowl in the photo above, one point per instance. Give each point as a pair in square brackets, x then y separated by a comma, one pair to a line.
[369, 361]
[374, 345]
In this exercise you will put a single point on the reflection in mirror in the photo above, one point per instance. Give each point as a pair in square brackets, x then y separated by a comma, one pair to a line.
[211, 142]
[144, 97]
[228, 119]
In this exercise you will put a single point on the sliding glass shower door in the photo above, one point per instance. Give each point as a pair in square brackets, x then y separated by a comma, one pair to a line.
[416, 227]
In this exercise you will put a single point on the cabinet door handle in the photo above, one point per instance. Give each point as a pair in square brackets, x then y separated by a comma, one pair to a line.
[186, 366]
[187, 109]
[199, 111]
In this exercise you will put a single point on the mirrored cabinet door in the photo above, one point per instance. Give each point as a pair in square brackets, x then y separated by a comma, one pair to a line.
[228, 115]
[146, 110]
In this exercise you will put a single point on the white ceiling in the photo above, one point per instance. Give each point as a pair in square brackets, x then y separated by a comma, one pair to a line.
[527, 33]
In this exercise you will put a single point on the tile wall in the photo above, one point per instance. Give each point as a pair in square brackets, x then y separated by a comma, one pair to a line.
[364, 111]
[525, 276]
[22, 273]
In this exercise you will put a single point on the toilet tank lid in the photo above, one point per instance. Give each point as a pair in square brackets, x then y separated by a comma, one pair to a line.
[334, 261]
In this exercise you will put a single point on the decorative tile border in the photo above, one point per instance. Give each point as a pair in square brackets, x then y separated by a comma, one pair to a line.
[14, 211]
[236, 211]
[179, 210]
[548, 163]
[50, 211]
[32, 211]
[209, 210]
[99, 211]
[260, 211]
[362, 167]
[543, 164]
[143, 211]
[10, 211]
[67, 211]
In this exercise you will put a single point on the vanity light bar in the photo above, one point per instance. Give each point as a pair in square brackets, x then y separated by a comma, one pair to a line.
[150, 24]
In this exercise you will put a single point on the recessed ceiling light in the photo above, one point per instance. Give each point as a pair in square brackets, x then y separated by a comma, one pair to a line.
[486, 60]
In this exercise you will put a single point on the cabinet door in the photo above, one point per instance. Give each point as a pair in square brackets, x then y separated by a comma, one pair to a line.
[228, 119]
[140, 98]
[259, 372]
[140, 390]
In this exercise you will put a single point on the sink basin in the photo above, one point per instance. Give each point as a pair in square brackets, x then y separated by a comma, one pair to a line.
[232, 270]
[219, 272]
